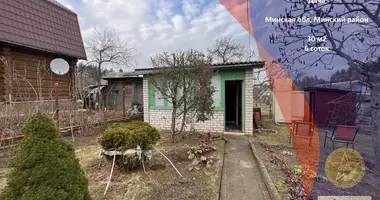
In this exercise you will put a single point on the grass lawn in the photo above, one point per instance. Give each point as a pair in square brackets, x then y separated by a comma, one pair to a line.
[160, 181]
[277, 144]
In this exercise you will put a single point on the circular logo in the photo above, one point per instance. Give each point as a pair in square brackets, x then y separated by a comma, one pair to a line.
[345, 167]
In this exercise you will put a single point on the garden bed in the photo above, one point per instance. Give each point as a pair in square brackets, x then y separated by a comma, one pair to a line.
[269, 143]
[161, 181]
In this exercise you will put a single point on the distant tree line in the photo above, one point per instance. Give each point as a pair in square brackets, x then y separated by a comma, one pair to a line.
[349, 74]
[309, 81]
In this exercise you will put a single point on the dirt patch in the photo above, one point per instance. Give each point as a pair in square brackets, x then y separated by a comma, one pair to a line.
[275, 144]
[160, 181]
[268, 144]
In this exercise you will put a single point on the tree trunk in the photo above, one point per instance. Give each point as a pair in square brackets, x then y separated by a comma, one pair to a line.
[183, 123]
[174, 116]
[99, 84]
[184, 92]
[375, 126]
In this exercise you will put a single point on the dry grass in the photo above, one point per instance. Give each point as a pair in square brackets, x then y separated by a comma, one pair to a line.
[160, 182]
[3, 172]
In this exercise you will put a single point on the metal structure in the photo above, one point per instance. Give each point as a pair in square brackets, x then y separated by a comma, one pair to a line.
[343, 110]
[60, 67]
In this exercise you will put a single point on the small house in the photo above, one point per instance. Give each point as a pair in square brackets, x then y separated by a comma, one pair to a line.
[32, 33]
[123, 86]
[358, 86]
[363, 92]
[233, 100]
[331, 107]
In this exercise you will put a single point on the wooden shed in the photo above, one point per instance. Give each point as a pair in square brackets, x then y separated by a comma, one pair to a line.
[327, 106]
[331, 106]
[124, 86]
[33, 33]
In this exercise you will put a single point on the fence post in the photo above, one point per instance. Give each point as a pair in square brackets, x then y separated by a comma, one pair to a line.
[124, 114]
[56, 104]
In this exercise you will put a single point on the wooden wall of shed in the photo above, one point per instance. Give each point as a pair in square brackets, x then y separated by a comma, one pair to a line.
[115, 93]
[138, 91]
[27, 76]
[2, 75]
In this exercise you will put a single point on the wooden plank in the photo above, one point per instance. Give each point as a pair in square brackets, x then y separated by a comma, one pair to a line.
[28, 91]
[45, 84]
[25, 99]
[43, 94]
[29, 74]
[43, 90]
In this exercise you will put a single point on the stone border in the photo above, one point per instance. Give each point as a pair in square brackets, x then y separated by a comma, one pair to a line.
[273, 193]
[219, 175]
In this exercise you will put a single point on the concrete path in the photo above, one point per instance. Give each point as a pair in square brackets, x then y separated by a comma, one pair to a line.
[241, 179]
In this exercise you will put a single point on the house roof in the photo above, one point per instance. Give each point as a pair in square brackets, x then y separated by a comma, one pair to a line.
[121, 75]
[326, 89]
[215, 66]
[43, 25]
[345, 85]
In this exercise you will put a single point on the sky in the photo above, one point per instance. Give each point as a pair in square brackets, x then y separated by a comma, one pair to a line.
[157, 26]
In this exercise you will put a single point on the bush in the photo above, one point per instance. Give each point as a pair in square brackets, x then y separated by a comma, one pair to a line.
[127, 135]
[45, 167]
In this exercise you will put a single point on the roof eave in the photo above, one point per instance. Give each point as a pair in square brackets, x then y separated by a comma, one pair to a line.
[325, 89]
[218, 67]
[126, 77]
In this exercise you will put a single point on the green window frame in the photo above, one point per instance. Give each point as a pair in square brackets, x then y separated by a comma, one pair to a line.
[152, 103]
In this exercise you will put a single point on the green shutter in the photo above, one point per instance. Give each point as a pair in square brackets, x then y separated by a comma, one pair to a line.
[151, 94]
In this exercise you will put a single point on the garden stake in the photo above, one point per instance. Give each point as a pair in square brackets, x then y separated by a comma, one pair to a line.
[56, 103]
[142, 160]
[169, 161]
[109, 179]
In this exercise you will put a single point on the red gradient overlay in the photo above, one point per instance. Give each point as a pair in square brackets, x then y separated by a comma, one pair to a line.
[308, 156]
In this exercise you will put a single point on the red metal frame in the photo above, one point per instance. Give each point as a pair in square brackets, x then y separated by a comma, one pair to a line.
[332, 136]
[296, 127]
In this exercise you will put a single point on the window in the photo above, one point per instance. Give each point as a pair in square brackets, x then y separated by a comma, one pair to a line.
[156, 99]
[216, 83]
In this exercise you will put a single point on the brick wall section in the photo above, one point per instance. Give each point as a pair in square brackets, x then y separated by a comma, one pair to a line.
[146, 100]
[249, 101]
[161, 119]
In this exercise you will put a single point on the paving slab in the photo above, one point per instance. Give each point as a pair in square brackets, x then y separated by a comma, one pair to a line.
[241, 178]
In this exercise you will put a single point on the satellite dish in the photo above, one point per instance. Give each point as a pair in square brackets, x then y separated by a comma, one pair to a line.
[59, 66]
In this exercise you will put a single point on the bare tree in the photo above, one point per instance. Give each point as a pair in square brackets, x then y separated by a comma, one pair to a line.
[227, 49]
[184, 80]
[337, 29]
[106, 47]
[259, 93]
